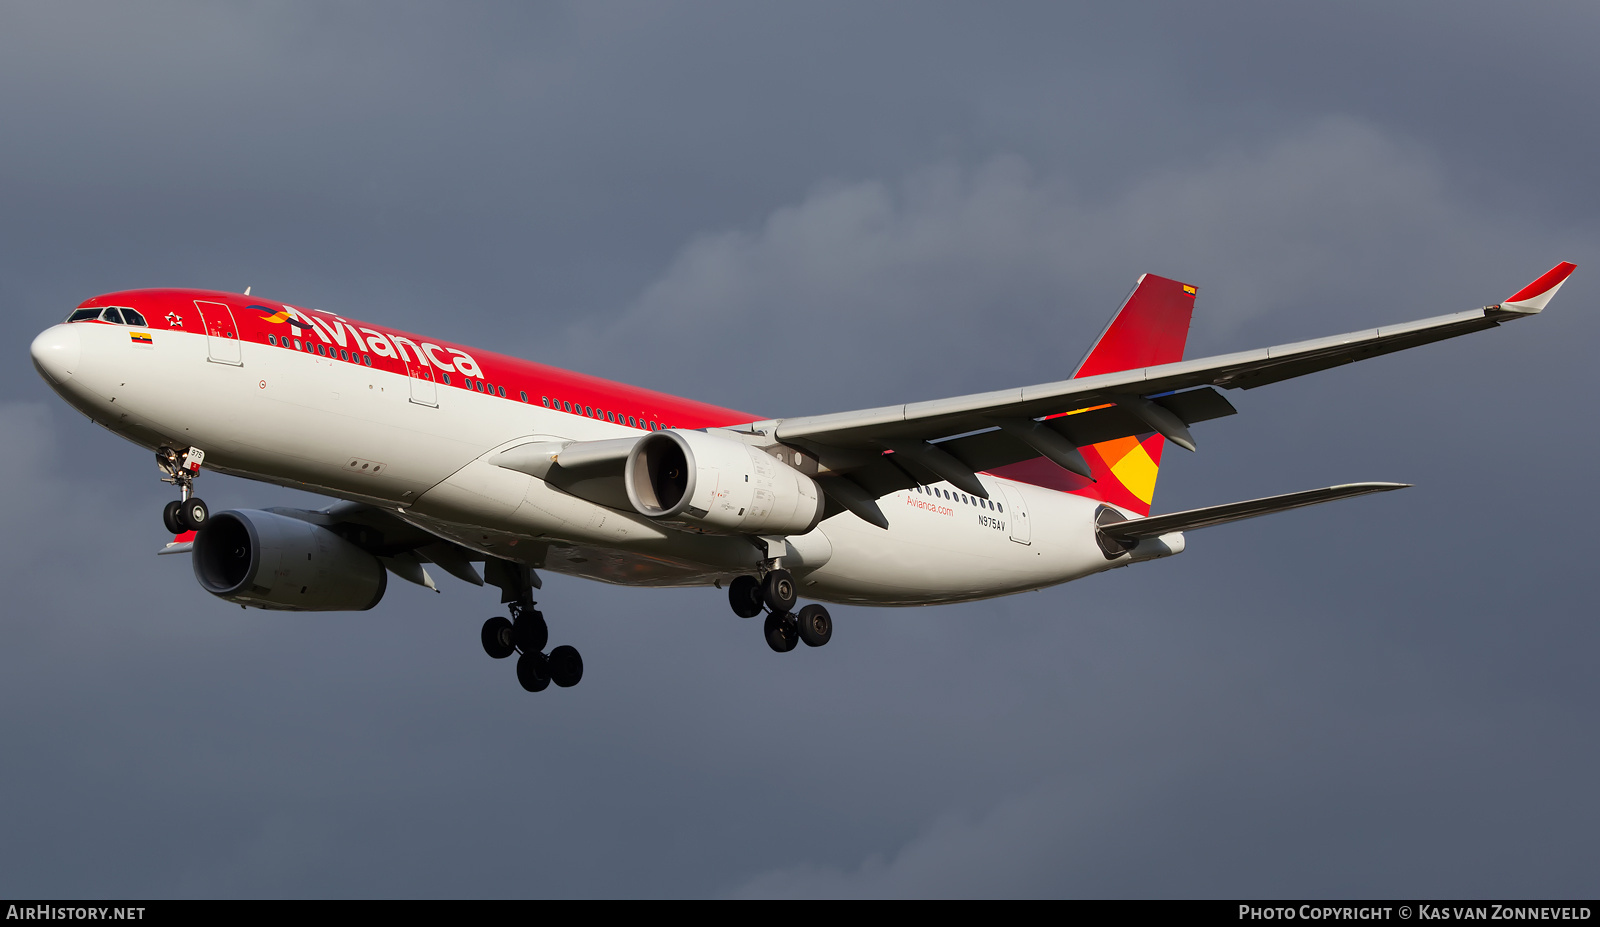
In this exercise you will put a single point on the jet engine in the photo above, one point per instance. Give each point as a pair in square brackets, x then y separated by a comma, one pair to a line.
[273, 561]
[717, 485]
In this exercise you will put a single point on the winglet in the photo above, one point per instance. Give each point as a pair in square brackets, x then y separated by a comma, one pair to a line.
[1533, 297]
[181, 544]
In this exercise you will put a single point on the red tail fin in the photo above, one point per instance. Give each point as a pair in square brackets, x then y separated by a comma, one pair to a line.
[1150, 328]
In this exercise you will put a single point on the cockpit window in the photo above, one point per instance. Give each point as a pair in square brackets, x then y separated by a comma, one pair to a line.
[116, 315]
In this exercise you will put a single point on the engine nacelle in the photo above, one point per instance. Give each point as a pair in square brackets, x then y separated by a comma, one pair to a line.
[273, 561]
[721, 486]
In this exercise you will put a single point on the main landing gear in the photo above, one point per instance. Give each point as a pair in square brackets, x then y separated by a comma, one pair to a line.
[186, 513]
[776, 592]
[525, 632]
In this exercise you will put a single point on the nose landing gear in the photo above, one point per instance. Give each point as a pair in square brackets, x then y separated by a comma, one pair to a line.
[187, 513]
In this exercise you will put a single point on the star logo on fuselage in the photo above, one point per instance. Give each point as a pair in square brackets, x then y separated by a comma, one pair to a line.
[174, 320]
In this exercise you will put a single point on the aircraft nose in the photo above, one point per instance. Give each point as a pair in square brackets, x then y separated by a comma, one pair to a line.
[57, 351]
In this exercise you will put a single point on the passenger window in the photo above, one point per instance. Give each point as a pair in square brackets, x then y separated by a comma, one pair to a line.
[112, 315]
[501, 391]
[83, 315]
[322, 350]
[272, 339]
[343, 355]
[589, 411]
[523, 394]
[567, 406]
[544, 401]
[652, 426]
[297, 344]
[632, 423]
[366, 359]
[133, 318]
[1000, 508]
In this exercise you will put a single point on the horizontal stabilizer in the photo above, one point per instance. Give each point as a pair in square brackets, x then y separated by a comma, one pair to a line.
[1137, 528]
[182, 544]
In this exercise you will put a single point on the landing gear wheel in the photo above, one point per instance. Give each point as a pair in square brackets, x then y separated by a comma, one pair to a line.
[497, 640]
[778, 591]
[744, 594]
[171, 515]
[533, 671]
[566, 666]
[781, 631]
[531, 633]
[816, 626]
[192, 514]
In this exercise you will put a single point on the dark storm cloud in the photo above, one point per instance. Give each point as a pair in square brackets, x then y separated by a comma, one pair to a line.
[797, 210]
[948, 265]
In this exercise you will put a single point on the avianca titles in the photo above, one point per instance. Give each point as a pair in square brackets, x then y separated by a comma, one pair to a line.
[491, 468]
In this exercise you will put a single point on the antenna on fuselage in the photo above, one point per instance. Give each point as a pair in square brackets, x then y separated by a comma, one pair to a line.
[247, 291]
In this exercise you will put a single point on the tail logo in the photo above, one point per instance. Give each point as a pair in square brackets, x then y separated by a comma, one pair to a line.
[1134, 464]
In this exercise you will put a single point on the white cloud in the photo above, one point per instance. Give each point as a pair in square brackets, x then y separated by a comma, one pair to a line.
[1001, 274]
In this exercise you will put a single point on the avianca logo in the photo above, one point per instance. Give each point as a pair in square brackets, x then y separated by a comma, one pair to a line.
[342, 332]
[279, 317]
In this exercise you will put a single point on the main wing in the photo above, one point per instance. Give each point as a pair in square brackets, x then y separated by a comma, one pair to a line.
[865, 454]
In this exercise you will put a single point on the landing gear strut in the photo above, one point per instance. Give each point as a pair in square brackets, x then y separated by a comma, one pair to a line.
[187, 513]
[776, 592]
[526, 632]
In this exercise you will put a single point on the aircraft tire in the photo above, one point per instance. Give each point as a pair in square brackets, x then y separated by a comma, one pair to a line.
[497, 638]
[779, 591]
[531, 633]
[744, 594]
[171, 517]
[533, 671]
[566, 666]
[193, 514]
[816, 625]
[781, 631]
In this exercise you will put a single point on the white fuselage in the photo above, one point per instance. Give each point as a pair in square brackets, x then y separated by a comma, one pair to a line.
[358, 433]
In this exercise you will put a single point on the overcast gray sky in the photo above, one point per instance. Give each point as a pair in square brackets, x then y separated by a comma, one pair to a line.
[877, 203]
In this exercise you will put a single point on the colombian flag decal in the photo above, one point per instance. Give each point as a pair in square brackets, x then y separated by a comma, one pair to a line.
[141, 338]
[1188, 290]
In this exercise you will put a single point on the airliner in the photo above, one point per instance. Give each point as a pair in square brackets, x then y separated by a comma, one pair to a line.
[491, 468]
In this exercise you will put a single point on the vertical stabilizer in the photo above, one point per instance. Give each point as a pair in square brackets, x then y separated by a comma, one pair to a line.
[1150, 328]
